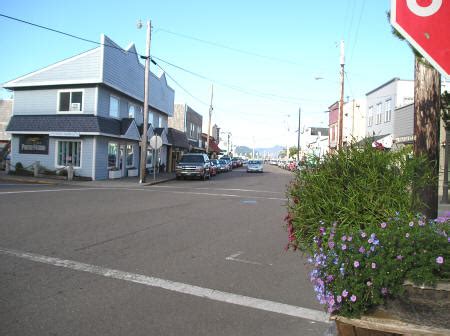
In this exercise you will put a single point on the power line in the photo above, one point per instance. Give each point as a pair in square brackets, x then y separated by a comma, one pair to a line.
[223, 46]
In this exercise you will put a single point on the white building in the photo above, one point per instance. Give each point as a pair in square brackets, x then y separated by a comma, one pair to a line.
[381, 104]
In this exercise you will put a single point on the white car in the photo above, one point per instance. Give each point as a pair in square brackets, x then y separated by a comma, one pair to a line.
[255, 166]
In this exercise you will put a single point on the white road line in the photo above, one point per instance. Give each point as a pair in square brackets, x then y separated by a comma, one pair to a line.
[179, 287]
[234, 257]
[225, 189]
[140, 189]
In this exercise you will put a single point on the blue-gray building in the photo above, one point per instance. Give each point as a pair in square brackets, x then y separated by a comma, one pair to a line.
[86, 111]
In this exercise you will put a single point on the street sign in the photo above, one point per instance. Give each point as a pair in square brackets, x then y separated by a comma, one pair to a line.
[426, 25]
[156, 142]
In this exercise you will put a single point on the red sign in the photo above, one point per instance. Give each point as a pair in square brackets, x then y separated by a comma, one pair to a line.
[426, 25]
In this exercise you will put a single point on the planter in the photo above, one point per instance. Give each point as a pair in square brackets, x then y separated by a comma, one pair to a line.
[420, 311]
[423, 305]
[115, 174]
[132, 172]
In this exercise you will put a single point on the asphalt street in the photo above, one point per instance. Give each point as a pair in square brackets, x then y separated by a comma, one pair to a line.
[180, 258]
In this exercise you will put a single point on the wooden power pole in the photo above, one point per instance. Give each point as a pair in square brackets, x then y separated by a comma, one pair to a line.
[341, 101]
[427, 102]
[209, 120]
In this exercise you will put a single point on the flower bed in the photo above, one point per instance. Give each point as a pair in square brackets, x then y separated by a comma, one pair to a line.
[353, 214]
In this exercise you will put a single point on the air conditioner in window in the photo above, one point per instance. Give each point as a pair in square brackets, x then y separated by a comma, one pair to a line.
[75, 107]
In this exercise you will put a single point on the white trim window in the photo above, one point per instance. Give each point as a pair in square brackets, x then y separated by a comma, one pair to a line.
[160, 121]
[113, 107]
[379, 114]
[70, 101]
[113, 155]
[151, 118]
[68, 152]
[131, 111]
[370, 118]
[130, 156]
[388, 110]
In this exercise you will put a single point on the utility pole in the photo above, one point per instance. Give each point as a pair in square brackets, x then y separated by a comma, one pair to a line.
[298, 140]
[341, 101]
[146, 92]
[209, 120]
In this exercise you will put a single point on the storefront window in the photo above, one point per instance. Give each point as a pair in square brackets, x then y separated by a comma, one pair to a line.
[69, 152]
[113, 155]
[130, 156]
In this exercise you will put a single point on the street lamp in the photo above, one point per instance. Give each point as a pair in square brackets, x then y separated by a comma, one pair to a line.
[146, 92]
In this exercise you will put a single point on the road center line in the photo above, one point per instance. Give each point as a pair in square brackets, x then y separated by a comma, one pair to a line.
[143, 190]
[241, 300]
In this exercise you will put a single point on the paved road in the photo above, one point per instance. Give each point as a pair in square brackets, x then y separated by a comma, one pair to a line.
[180, 258]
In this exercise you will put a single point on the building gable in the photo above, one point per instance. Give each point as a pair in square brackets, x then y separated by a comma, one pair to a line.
[80, 69]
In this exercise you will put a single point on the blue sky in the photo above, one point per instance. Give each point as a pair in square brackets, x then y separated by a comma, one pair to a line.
[274, 51]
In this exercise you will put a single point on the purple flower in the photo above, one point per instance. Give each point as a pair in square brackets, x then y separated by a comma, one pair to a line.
[440, 260]
[448, 239]
[399, 257]
[356, 263]
[421, 222]
[322, 231]
[353, 298]
[330, 278]
[344, 247]
[362, 249]
[339, 299]
[363, 234]
[384, 291]
[331, 244]
[344, 293]
[383, 225]
[344, 238]
[374, 265]
[349, 238]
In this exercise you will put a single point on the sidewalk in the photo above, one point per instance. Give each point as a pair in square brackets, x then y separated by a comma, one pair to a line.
[126, 182]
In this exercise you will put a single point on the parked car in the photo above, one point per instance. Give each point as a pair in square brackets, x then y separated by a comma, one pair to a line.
[224, 165]
[214, 169]
[228, 160]
[193, 165]
[255, 166]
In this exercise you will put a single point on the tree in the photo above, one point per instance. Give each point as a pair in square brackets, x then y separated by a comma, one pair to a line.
[293, 151]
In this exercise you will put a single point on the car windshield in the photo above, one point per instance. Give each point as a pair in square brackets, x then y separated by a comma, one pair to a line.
[222, 161]
[192, 158]
[254, 162]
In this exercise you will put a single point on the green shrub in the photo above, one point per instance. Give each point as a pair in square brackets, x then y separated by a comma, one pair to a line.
[355, 187]
[353, 214]
[19, 166]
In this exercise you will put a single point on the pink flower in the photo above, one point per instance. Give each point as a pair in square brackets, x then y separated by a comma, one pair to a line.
[362, 249]
[344, 247]
[384, 291]
[383, 225]
[374, 265]
[339, 299]
[356, 263]
[349, 238]
[344, 293]
[344, 238]
[440, 260]
[353, 298]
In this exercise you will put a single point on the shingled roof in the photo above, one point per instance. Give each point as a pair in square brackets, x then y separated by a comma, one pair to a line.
[69, 123]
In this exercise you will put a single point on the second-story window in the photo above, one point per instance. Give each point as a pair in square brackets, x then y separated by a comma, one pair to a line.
[379, 114]
[370, 118]
[70, 101]
[131, 111]
[387, 111]
[114, 107]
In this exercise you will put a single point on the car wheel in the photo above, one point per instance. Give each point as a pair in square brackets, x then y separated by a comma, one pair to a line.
[178, 177]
